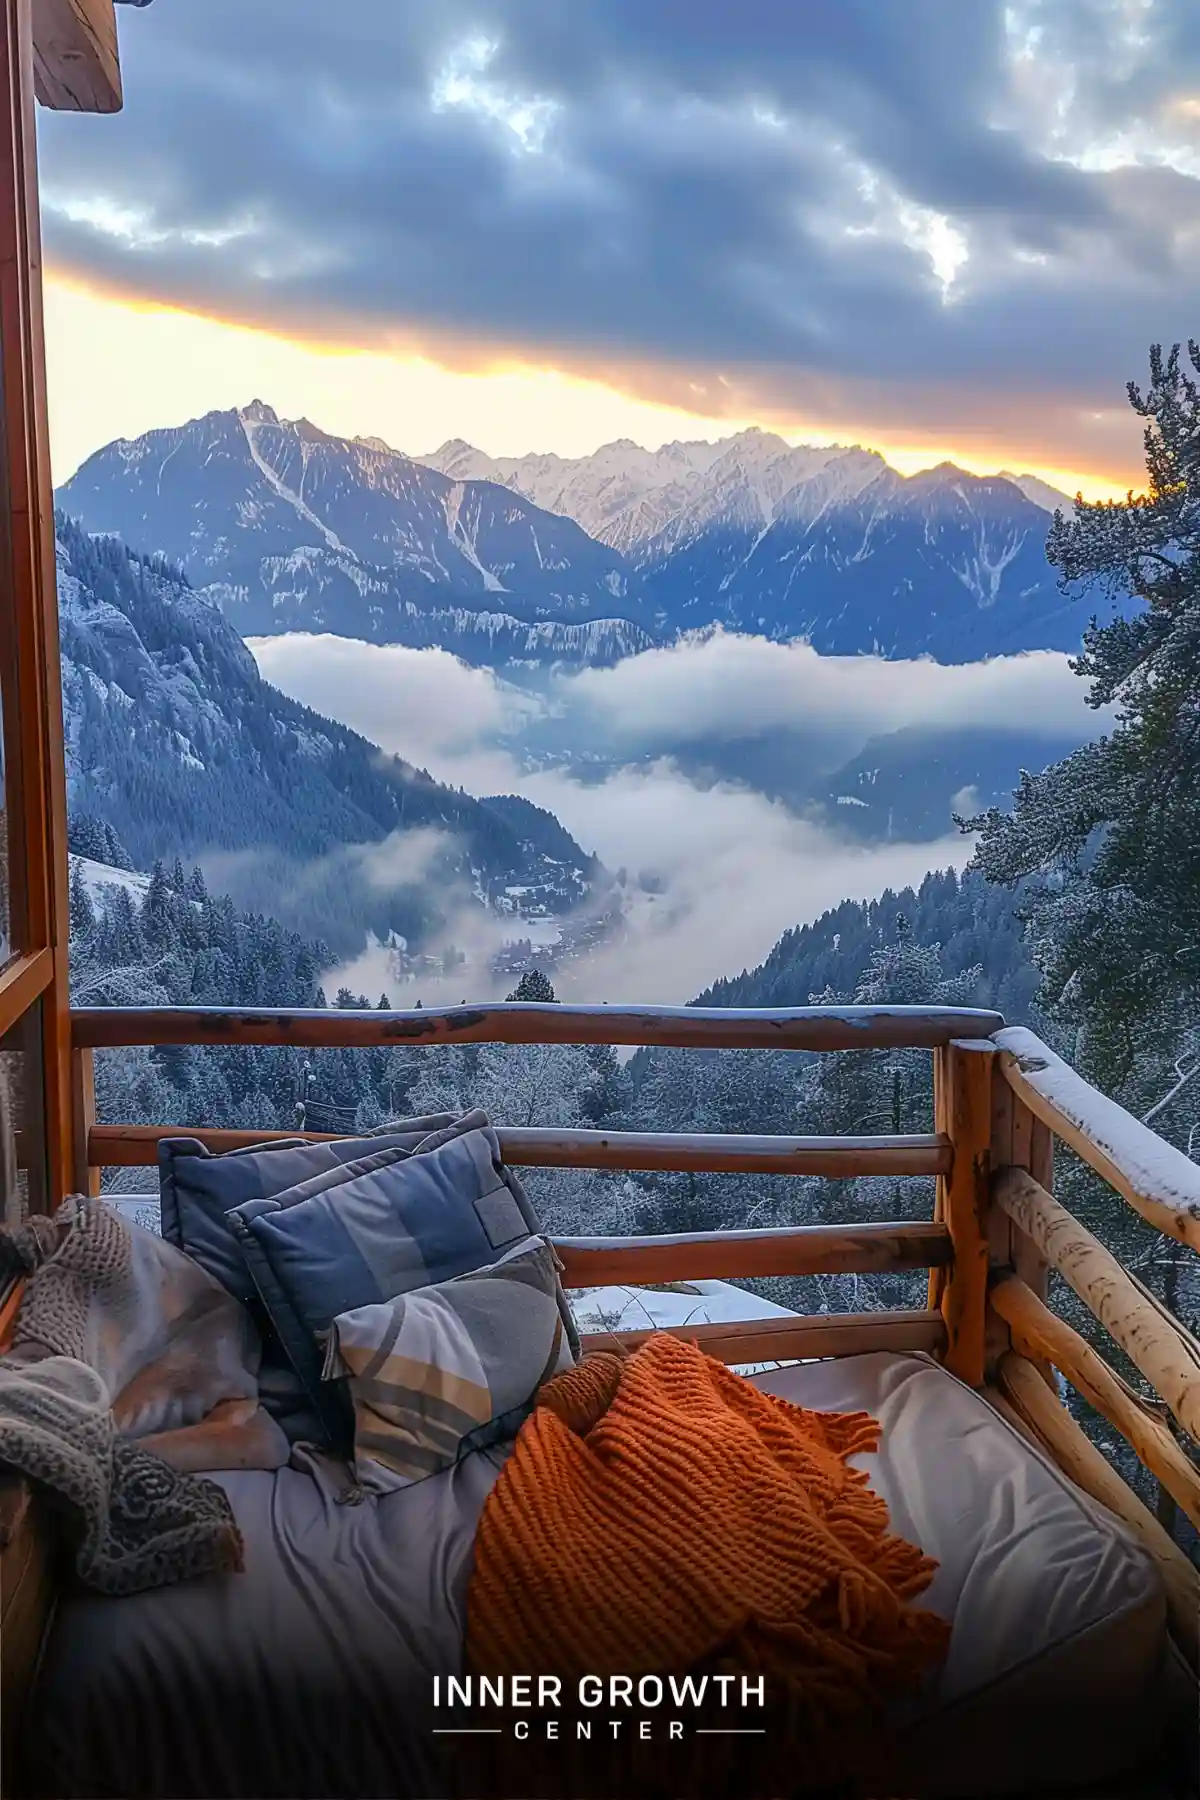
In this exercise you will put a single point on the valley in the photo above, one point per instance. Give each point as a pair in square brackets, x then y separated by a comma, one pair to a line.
[585, 595]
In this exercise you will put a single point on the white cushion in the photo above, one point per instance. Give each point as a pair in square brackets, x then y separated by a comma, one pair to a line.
[1055, 1673]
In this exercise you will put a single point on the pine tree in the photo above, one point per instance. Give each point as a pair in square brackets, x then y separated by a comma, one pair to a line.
[1112, 833]
[536, 987]
[156, 909]
[82, 913]
[1107, 841]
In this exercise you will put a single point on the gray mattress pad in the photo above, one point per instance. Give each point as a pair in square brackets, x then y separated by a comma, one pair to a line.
[309, 1675]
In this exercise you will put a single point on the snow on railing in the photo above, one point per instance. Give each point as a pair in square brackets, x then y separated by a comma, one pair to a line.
[1156, 1179]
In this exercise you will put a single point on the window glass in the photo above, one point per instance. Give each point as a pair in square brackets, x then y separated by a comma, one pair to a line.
[22, 1119]
[5, 910]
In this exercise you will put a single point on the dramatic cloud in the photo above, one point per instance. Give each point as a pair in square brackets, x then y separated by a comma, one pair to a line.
[732, 872]
[736, 687]
[423, 705]
[715, 870]
[462, 723]
[916, 212]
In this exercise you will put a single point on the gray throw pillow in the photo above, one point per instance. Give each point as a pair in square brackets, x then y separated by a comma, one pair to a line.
[450, 1368]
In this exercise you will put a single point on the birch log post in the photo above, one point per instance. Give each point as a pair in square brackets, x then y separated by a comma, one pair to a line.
[1036, 1331]
[1157, 1344]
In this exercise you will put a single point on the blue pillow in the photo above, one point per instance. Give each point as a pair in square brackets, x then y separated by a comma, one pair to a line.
[410, 1223]
[197, 1190]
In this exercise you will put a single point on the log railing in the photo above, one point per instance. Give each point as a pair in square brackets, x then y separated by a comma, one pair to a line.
[663, 1027]
[1001, 1098]
[1037, 1097]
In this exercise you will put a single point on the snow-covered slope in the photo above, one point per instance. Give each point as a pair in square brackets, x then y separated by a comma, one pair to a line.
[174, 740]
[1039, 491]
[98, 877]
[613, 1309]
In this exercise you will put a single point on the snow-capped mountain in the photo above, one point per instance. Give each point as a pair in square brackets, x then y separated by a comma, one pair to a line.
[860, 559]
[1040, 492]
[176, 742]
[626, 496]
[289, 528]
[827, 543]
[542, 559]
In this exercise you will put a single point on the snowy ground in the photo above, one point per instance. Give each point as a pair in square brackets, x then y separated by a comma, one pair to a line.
[141, 1209]
[100, 875]
[682, 1303]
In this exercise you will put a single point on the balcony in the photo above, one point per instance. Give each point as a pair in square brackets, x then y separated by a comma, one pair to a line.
[1001, 1100]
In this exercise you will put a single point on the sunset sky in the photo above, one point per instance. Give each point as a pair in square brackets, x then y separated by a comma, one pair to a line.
[944, 229]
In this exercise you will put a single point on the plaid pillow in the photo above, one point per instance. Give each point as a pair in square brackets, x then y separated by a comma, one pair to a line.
[451, 1368]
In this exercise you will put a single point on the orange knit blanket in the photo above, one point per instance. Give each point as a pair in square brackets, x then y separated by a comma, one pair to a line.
[660, 1514]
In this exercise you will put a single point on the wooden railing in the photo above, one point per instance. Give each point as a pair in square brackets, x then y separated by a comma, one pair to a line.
[1001, 1098]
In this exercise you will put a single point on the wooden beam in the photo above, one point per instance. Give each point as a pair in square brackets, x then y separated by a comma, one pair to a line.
[966, 1090]
[133, 1146]
[1030, 1145]
[1019, 1141]
[725, 1255]
[23, 981]
[1028, 1261]
[1001, 1230]
[793, 1340]
[1158, 1181]
[1037, 1332]
[675, 1027]
[1078, 1458]
[83, 1107]
[35, 779]
[1156, 1343]
[75, 55]
[941, 1124]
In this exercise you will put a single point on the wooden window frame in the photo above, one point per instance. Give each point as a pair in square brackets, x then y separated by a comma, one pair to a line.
[35, 771]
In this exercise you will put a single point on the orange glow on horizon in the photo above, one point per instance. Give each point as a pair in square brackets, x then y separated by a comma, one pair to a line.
[121, 364]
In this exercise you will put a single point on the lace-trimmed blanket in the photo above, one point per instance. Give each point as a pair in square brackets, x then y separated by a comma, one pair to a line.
[138, 1522]
[129, 1368]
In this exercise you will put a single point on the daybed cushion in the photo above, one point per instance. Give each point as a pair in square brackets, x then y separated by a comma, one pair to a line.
[313, 1668]
[451, 1368]
[405, 1223]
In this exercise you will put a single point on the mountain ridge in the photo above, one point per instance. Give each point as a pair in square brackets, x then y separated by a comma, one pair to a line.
[289, 527]
[584, 561]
